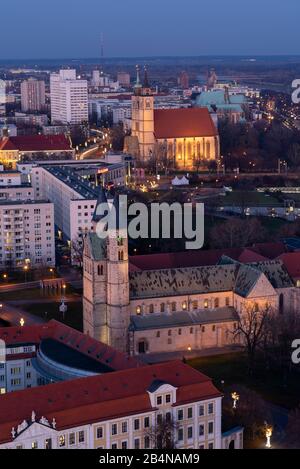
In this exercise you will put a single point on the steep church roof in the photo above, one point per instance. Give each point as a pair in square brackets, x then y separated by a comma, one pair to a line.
[183, 123]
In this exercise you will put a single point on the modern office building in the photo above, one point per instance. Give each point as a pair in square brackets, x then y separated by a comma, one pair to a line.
[69, 98]
[32, 95]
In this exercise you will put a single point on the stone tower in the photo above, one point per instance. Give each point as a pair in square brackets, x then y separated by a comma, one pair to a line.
[143, 117]
[106, 312]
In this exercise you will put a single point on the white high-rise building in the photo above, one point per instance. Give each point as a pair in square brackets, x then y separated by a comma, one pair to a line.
[69, 98]
[32, 95]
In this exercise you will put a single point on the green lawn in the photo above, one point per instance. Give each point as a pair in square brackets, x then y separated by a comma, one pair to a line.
[249, 198]
[232, 369]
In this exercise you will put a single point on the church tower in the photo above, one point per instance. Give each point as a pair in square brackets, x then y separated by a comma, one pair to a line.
[143, 117]
[106, 314]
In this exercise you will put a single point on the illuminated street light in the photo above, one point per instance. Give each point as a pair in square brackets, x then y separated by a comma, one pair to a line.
[22, 322]
[235, 397]
[269, 433]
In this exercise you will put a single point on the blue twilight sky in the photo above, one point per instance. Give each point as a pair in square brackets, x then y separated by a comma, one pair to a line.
[72, 28]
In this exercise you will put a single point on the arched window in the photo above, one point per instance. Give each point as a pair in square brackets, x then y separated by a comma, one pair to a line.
[189, 150]
[281, 303]
[179, 151]
[100, 270]
[216, 302]
[208, 150]
[121, 256]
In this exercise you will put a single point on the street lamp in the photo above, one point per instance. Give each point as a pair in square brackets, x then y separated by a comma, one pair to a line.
[22, 322]
[269, 433]
[25, 268]
[4, 276]
[235, 397]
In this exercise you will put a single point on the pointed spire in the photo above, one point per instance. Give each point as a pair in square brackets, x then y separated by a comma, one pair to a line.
[102, 199]
[138, 85]
[146, 81]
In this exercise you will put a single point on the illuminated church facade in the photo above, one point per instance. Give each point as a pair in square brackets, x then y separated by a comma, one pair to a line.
[181, 139]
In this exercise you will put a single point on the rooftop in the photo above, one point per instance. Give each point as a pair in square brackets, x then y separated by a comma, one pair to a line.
[183, 123]
[102, 397]
[74, 340]
[36, 143]
[183, 318]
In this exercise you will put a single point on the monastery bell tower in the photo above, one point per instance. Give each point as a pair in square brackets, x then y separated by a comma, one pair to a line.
[143, 117]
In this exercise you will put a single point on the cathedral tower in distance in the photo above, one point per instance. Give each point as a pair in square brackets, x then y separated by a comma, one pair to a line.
[143, 118]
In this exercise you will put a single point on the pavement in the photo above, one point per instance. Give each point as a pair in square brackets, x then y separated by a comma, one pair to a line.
[180, 355]
[13, 316]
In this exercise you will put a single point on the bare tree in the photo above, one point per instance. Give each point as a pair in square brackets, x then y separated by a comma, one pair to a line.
[253, 331]
[77, 247]
[163, 434]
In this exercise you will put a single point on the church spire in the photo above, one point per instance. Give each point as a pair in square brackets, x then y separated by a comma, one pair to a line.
[138, 85]
[146, 81]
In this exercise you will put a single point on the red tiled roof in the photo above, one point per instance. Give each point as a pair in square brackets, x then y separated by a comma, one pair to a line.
[183, 123]
[13, 336]
[191, 259]
[36, 143]
[269, 250]
[291, 261]
[102, 397]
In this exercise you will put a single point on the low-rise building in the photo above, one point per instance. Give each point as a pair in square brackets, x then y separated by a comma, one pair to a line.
[34, 148]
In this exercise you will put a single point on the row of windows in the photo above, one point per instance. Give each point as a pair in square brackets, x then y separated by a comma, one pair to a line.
[121, 428]
[214, 303]
[190, 431]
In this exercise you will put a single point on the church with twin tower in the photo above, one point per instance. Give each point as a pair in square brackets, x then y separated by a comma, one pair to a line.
[179, 138]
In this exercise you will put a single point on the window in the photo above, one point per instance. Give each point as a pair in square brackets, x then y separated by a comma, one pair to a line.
[81, 437]
[205, 304]
[72, 440]
[124, 445]
[162, 307]
[190, 413]
[201, 410]
[159, 400]
[62, 441]
[124, 427]
[159, 419]
[203, 329]
[201, 430]
[217, 303]
[180, 434]
[213, 328]
[114, 429]
[114, 446]
[195, 305]
[191, 330]
[173, 307]
[210, 408]
[168, 417]
[147, 442]
[146, 422]
[158, 334]
[190, 433]
[227, 301]
[151, 309]
[180, 414]
[138, 310]
[169, 333]
[34, 445]
[100, 270]
[99, 433]
[179, 331]
[168, 398]
[210, 427]
[137, 443]
[210, 446]
[136, 424]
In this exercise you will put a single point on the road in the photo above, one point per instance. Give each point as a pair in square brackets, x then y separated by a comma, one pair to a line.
[13, 316]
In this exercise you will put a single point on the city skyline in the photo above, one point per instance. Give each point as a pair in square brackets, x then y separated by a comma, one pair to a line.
[132, 31]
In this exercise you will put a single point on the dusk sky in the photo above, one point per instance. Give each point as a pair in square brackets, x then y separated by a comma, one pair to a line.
[72, 28]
